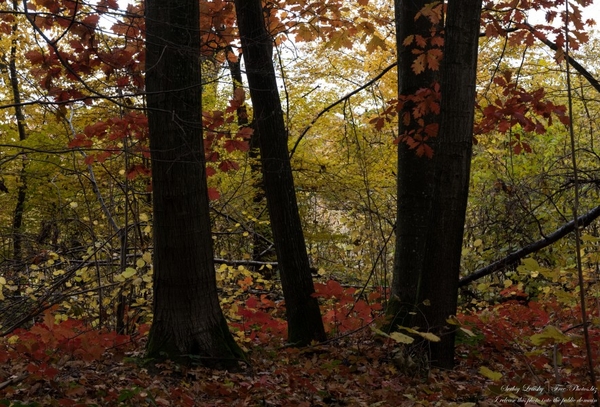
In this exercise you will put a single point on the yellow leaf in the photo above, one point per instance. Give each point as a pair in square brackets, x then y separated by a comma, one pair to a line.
[429, 336]
[490, 374]
[2, 281]
[147, 257]
[129, 272]
[140, 263]
[467, 331]
[401, 338]
[452, 320]
[550, 335]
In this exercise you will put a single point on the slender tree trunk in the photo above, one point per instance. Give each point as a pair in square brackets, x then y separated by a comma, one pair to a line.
[415, 174]
[452, 174]
[17, 225]
[261, 247]
[303, 314]
[188, 320]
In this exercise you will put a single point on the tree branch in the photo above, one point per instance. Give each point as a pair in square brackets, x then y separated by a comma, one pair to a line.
[582, 71]
[337, 102]
[582, 221]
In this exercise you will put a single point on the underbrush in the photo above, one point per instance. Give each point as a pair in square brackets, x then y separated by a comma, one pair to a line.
[528, 354]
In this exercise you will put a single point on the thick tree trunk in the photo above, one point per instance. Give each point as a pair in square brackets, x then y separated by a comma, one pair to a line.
[303, 314]
[452, 173]
[188, 321]
[415, 174]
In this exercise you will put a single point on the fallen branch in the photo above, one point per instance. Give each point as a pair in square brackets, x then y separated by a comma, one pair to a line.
[13, 380]
[582, 221]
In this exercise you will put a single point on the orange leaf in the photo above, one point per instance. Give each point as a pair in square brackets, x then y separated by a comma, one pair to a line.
[418, 65]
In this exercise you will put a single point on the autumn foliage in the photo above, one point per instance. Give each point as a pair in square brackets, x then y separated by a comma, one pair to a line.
[86, 269]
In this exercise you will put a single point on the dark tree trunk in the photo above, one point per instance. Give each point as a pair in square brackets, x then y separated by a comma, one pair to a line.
[303, 314]
[261, 245]
[432, 193]
[187, 317]
[452, 173]
[415, 174]
[17, 226]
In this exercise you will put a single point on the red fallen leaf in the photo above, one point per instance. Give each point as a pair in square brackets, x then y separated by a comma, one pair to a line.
[331, 289]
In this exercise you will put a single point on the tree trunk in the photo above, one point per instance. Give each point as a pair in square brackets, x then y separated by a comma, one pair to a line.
[303, 314]
[262, 248]
[188, 321]
[415, 174]
[452, 173]
[17, 225]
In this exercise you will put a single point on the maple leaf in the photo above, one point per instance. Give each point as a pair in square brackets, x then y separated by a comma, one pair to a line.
[245, 133]
[424, 150]
[228, 165]
[418, 65]
[233, 145]
[434, 56]
[35, 57]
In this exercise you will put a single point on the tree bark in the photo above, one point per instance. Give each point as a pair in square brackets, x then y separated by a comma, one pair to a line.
[17, 225]
[452, 173]
[188, 321]
[261, 247]
[415, 174]
[302, 310]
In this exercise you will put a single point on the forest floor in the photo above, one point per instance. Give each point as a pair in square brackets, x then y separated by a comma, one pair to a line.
[513, 353]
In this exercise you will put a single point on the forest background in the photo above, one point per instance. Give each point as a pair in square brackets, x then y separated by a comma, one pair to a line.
[76, 221]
